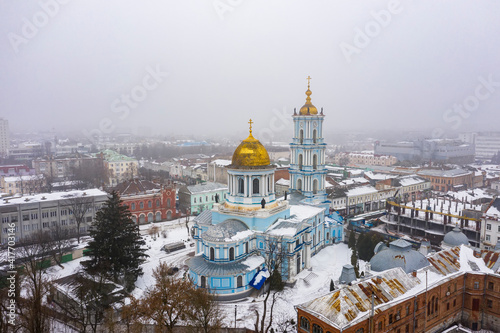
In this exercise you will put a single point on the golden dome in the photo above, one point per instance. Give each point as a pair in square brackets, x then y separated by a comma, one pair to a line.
[250, 153]
[308, 108]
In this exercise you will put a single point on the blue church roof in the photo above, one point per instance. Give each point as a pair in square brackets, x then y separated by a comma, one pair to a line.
[207, 268]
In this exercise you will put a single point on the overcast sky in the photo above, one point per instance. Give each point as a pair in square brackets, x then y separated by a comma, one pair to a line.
[101, 65]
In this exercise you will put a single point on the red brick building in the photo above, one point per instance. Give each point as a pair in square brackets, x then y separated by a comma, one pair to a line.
[405, 303]
[147, 201]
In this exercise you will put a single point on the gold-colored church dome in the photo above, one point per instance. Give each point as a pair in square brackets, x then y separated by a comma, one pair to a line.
[250, 153]
[308, 108]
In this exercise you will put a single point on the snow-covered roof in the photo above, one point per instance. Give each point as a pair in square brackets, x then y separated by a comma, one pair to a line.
[361, 191]
[283, 182]
[411, 180]
[43, 197]
[207, 187]
[221, 162]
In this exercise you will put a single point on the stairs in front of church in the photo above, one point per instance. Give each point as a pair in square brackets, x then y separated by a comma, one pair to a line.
[308, 278]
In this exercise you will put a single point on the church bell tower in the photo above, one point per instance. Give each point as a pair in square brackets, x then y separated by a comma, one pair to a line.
[307, 164]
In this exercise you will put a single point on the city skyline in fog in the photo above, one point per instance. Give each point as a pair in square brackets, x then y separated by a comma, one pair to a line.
[206, 68]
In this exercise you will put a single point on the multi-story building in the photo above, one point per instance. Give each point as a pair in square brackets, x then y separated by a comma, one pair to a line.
[448, 180]
[148, 202]
[47, 211]
[217, 171]
[15, 170]
[411, 187]
[120, 167]
[4, 137]
[443, 151]
[486, 144]
[59, 169]
[30, 184]
[197, 198]
[26, 151]
[490, 224]
[366, 198]
[364, 158]
[456, 288]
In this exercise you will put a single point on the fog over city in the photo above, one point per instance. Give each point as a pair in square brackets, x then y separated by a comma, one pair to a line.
[206, 67]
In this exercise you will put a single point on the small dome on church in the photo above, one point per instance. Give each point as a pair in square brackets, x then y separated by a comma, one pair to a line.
[224, 231]
[250, 153]
[455, 238]
[399, 254]
[308, 108]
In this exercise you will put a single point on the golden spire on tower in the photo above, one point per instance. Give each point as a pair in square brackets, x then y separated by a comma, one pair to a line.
[308, 108]
[250, 122]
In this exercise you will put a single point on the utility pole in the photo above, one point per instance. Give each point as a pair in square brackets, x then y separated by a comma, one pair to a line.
[235, 312]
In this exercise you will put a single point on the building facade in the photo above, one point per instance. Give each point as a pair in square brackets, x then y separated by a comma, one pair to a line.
[45, 212]
[148, 202]
[4, 137]
[119, 167]
[196, 198]
[364, 158]
[451, 295]
[448, 180]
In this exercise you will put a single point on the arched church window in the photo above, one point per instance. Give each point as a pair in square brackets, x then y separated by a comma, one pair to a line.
[168, 203]
[203, 282]
[246, 247]
[239, 281]
[212, 253]
[300, 161]
[299, 184]
[314, 136]
[315, 186]
[255, 186]
[315, 161]
[231, 253]
[301, 136]
[241, 186]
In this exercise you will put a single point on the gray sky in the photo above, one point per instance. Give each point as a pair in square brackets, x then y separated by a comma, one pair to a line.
[373, 64]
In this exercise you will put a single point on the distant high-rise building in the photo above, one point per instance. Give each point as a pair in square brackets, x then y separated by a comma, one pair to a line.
[4, 137]
[487, 143]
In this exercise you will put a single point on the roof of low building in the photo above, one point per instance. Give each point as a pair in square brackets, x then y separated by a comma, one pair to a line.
[135, 186]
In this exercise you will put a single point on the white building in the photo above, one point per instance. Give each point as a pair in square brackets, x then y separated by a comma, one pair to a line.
[487, 143]
[27, 215]
[4, 137]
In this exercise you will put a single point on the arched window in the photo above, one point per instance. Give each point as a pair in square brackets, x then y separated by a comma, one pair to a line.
[150, 217]
[150, 204]
[231, 253]
[194, 200]
[157, 203]
[141, 205]
[436, 305]
[315, 186]
[241, 186]
[203, 282]
[169, 215]
[239, 281]
[299, 184]
[134, 218]
[168, 203]
[304, 323]
[255, 186]
[212, 253]
[314, 136]
[300, 161]
[315, 161]
[317, 329]
[301, 136]
[158, 216]
[142, 219]
[246, 247]
[132, 206]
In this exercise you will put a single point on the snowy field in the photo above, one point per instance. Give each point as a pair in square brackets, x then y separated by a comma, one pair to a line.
[311, 283]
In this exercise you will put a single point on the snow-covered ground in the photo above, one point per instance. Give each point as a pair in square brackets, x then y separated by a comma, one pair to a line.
[311, 283]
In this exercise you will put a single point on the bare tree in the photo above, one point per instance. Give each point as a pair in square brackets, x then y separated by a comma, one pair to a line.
[79, 206]
[274, 254]
[59, 243]
[36, 284]
[167, 302]
[204, 312]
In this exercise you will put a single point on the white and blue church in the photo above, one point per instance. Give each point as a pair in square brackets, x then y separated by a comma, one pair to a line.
[237, 239]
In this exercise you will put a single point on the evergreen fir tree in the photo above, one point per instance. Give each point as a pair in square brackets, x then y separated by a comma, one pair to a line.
[354, 261]
[352, 239]
[332, 285]
[117, 249]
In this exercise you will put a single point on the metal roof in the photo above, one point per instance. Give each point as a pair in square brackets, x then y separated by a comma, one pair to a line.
[207, 268]
[227, 229]
[342, 306]
[399, 254]
[455, 238]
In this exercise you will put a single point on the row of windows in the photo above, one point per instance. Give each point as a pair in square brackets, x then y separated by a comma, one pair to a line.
[200, 199]
[231, 252]
[150, 204]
